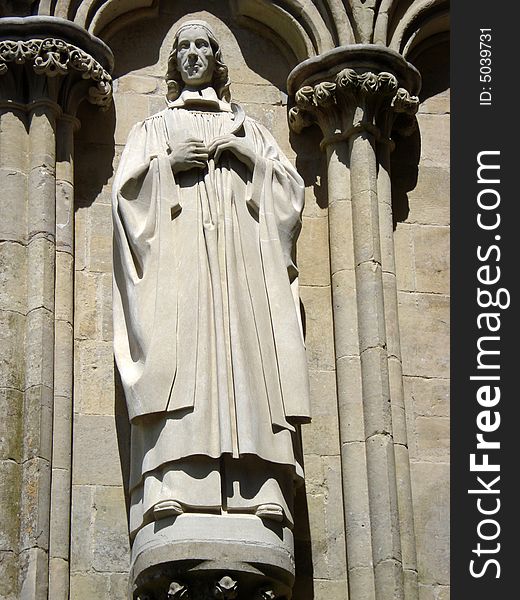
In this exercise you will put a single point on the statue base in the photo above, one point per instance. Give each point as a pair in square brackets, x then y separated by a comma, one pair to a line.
[202, 556]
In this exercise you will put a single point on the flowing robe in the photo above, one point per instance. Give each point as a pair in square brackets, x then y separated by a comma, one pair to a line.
[207, 332]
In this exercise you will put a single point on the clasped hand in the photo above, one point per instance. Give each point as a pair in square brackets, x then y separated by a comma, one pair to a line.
[192, 154]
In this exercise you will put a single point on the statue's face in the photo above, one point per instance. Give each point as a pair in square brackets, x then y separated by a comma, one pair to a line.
[195, 59]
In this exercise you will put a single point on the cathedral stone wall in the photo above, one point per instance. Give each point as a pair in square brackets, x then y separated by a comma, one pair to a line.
[100, 549]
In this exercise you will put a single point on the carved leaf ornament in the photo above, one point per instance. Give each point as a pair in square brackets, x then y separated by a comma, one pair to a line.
[53, 57]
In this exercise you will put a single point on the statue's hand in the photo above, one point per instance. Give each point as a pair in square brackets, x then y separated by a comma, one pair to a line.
[189, 154]
[238, 146]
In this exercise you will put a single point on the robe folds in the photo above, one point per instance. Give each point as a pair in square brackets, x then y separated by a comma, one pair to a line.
[207, 331]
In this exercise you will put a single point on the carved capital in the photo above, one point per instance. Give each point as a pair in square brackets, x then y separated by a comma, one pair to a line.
[360, 93]
[54, 58]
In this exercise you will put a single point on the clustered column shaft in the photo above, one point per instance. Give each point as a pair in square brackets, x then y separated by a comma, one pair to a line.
[42, 82]
[350, 109]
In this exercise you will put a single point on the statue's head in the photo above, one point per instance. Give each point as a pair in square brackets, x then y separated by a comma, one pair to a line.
[196, 61]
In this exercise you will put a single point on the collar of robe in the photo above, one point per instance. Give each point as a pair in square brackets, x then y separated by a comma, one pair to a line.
[205, 99]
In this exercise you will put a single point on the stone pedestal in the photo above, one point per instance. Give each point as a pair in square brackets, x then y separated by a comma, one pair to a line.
[196, 551]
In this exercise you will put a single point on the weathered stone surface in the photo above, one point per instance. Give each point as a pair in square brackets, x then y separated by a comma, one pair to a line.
[425, 348]
[110, 544]
[100, 239]
[430, 198]
[13, 204]
[404, 257]
[433, 437]
[38, 422]
[95, 460]
[435, 140]
[431, 502]
[93, 316]
[432, 259]
[9, 575]
[89, 585]
[39, 348]
[95, 378]
[10, 481]
[318, 327]
[427, 397]
[35, 504]
[12, 281]
[313, 253]
[11, 437]
[81, 528]
[12, 325]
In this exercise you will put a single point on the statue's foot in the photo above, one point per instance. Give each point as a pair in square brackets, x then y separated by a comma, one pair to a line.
[270, 511]
[167, 508]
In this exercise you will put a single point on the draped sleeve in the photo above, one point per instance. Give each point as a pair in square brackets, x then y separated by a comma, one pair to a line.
[144, 200]
[277, 195]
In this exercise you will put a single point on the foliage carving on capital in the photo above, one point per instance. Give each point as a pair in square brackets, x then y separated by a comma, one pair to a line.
[352, 101]
[53, 57]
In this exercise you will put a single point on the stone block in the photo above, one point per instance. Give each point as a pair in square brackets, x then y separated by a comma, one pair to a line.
[39, 348]
[257, 94]
[11, 439]
[350, 399]
[433, 437]
[432, 259]
[13, 205]
[40, 274]
[427, 397]
[321, 436]
[118, 586]
[313, 252]
[425, 339]
[323, 393]
[341, 236]
[81, 529]
[318, 327]
[330, 589]
[13, 291]
[13, 140]
[404, 257]
[35, 504]
[344, 298]
[435, 140]
[95, 378]
[89, 585]
[9, 575]
[80, 239]
[64, 216]
[12, 362]
[110, 545]
[100, 239]
[10, 484]
[96, 456]
[37, 433]
[130, 109]
[430, 489]
[429, 200]
[64, 294]
[135, 84]
[41, 207]
[63, 360]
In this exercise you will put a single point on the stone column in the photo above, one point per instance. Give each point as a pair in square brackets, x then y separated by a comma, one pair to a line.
[43, 78]
[353, 94]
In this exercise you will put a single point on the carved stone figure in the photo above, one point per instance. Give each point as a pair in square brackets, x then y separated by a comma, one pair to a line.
[208, 336]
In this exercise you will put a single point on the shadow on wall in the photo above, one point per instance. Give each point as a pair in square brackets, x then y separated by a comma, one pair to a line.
[94, 151]
[434, 65]
[139, 45]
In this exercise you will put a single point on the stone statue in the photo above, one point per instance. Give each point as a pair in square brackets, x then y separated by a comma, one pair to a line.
[207, 329]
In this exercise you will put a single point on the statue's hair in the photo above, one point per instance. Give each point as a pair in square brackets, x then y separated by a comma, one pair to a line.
[220, 81]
